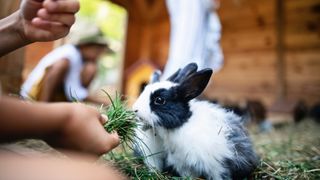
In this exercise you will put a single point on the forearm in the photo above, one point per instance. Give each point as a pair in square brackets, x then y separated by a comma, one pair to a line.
[50, 83]
[35, 120]
[10, 36]
[65, 125]
[53, 78]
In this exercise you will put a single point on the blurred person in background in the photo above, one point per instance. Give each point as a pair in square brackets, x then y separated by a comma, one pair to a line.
[194, 36]
[66, 72]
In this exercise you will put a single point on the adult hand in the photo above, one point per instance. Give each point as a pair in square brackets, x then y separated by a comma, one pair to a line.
[83, 131]
[46, 20]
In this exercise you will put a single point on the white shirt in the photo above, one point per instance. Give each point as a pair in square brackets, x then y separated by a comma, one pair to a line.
[72, 83]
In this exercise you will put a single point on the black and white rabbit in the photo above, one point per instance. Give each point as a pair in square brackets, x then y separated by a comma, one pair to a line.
[189, 137]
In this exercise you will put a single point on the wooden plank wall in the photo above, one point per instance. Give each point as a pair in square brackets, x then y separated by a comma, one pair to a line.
[302, 46]
[271, 48]
[148, 33]
[249, 42]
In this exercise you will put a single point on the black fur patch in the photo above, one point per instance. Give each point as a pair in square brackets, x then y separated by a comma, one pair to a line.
[174, 112]
[245, 159]
[170, 170]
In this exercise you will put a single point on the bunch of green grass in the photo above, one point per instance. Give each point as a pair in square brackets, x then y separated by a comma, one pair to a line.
[124, 122]
[120, 120]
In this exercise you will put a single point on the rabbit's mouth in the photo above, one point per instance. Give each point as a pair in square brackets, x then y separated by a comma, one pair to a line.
[140, 120]
[145, 125]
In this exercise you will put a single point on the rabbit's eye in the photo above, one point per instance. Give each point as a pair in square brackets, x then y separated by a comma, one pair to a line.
[159, 101]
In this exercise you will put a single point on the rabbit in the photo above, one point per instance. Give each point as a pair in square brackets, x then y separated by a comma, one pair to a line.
[188, 137]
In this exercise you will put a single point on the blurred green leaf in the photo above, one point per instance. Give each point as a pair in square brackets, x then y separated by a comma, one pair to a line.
[109, 17]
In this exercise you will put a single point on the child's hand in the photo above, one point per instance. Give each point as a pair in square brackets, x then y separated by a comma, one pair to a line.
[83, 131]
[46, 20]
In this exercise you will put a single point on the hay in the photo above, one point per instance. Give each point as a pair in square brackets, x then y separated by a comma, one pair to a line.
[291, 152]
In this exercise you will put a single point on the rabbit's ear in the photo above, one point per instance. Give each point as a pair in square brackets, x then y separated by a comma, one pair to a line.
[174, 76]
[155, 77]
[188, 70]
[180, 75]
[193, 85]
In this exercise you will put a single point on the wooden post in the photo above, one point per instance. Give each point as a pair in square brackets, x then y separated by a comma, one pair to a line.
[148, 29]
[281, 66]
[11, 65]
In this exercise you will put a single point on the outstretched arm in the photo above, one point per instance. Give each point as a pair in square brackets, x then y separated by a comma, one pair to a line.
[37, 20]
[65, 125]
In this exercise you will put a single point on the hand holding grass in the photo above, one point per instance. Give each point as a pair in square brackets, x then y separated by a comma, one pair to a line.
[83, 131]
[67, 125]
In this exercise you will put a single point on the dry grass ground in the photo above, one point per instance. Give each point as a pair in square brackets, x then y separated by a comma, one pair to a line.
[289, 152]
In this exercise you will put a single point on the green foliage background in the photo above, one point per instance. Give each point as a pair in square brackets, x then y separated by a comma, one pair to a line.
[108, 16]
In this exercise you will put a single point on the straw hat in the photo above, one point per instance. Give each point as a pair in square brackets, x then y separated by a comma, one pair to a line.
[86, 33]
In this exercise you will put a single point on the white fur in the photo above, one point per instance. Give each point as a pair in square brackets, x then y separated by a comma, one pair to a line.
[152, 146]
[200, 142]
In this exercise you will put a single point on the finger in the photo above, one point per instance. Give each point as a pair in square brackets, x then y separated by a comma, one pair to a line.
[29, 9]
[44, 23]
[59, 6]
[51, 30]
[115, 137]
[103, 119]
[49, 25]
[113, 140]
[105, 142]
[66, 19]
